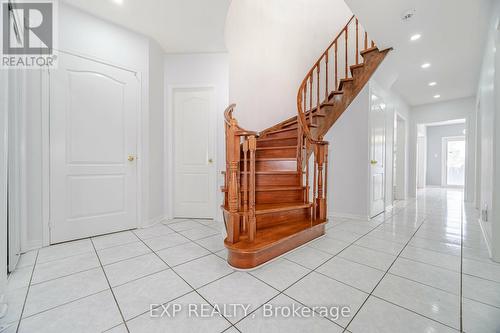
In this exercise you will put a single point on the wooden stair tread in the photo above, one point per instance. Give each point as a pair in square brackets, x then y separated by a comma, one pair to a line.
[368, 50]
[271, 188]
[280, 207]
[273, 235]
[275, 139]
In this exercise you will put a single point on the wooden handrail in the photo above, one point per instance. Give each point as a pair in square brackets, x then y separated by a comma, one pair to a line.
[305, 92]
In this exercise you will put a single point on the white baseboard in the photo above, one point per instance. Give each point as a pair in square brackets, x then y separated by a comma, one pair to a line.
[32, 245]
[348, 216]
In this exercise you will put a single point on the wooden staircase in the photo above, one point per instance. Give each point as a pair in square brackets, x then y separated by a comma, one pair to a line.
[273, 201]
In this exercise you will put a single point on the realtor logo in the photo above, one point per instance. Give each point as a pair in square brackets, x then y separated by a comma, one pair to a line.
[28, 34]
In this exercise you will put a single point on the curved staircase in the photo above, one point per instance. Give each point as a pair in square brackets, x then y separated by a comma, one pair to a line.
[276, 180]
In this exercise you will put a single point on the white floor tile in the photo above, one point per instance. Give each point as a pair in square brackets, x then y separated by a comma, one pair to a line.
[204, 270]
[27, 259]
[47, 295]
[481, 290]
[213, 243]
[118, 329]
[378, 316]
[380, 245]
[238, 288]
[316, 289]
[184, 225]
[433, 276]
[437, 246]
[438, 259]
[329, 245]
[165, 241]
[351, 273]
[15, 299]
[343, 235]
[64, 250]
[19, 278]
[427, 301]
[480, 318]
[182, 253]
[95, 313]
[184, 321]
[136, 297]
[119, 238]
[122, 252]
[369, 257]
[199, 233]
[153, 231]
[130, 269]
[66, 266]
[280, 273]
[308, 257]
[280, 323]
[489, 271]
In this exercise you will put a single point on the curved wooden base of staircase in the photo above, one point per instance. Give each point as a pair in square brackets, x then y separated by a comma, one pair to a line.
[272, 242]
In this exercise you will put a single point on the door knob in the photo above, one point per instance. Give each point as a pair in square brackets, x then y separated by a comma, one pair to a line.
[131, 158]
[373, 162]
[210, 161]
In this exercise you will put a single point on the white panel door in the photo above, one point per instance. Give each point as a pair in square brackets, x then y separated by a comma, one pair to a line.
[194, 127]
[377, 156]
[93, 142]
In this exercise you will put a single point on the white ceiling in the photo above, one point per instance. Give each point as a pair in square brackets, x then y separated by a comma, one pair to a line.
[453, 33]
[179, 26]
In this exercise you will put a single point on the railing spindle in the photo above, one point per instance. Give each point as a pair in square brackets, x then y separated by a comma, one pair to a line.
[346, 52]
[336, 68]
[252, 225]
[310, 96]
[326, 76]
[317, 93]
[366, 40]
[357, 42]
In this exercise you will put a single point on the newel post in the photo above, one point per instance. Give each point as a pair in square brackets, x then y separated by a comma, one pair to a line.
[233, 164]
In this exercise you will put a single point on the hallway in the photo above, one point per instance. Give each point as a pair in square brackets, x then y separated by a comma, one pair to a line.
[424, 267]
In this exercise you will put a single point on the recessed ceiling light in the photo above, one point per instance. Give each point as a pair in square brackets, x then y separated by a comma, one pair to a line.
[426, 65]
[437, 96]
[432, 84]
[415, 37]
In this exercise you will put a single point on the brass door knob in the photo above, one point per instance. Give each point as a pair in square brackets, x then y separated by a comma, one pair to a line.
[373, 162]
[210, 161]
[131, 158]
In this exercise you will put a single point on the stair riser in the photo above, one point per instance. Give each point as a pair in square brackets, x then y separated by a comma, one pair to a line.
[269, 197]
[272, 165]
[277, 153]
[278, 142]
[276, 180]
[267, 220]
[283, 134]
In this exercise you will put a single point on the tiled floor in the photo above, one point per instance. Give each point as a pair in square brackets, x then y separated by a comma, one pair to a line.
[423, 267]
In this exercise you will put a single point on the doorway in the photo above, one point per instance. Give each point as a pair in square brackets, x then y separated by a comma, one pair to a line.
[94, 111]
[453, 161]
[194, 151]
[377, 155]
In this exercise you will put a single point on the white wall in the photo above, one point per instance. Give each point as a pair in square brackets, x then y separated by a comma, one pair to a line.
[488, 101]
[438, 112]
[156, 209]
[348, 160]
[84, 35]
[272, 44]
[435, 135]
[196, 70]
[3, 179]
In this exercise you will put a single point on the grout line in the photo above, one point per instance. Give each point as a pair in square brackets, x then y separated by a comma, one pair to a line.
[193, 289]
[111, 289]
[385, 274]
[27, 293]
